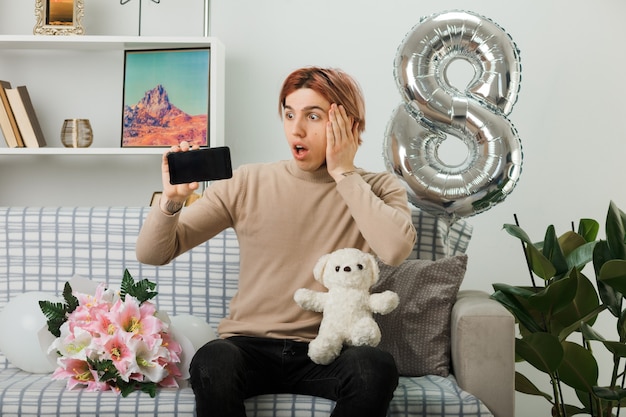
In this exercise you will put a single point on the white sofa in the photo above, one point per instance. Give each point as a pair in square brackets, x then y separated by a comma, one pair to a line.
[42, 248]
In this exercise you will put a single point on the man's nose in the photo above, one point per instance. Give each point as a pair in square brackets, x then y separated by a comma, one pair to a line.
[298, 127]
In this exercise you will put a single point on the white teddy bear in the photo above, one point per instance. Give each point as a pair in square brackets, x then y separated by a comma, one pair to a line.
[347, 307]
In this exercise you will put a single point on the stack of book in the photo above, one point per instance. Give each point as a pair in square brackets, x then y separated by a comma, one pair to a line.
[18, 121]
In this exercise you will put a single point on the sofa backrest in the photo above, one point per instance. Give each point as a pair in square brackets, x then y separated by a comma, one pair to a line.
[43, 247]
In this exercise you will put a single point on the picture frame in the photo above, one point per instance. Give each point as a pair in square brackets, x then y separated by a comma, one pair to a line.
[59, 17]
[156, 196]
[166, 97]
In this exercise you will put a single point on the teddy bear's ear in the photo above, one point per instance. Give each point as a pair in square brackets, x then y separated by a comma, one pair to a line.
[373, 264]
[318, 269]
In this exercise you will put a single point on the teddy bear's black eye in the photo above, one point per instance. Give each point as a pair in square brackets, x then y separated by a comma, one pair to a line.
[337, 268]
[359, 266]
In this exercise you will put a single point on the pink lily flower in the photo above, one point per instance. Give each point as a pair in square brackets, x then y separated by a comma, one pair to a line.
[117, 349]
[134, 318]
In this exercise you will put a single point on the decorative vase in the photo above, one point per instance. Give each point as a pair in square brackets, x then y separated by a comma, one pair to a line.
[76, 133]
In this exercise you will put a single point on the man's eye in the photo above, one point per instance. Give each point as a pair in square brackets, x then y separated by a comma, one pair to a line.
[314, 116]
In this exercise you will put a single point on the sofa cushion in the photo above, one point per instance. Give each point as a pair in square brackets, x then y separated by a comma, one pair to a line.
[417, 333]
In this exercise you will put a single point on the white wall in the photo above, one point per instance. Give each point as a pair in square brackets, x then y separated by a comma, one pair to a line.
[569, 115]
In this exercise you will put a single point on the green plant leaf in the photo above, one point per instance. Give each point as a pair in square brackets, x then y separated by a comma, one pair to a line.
[579, 368]
[589, 318]
[615, 231]
[608, 295]
[523, 384]
[584, 303]
[609, 394]
[556, 296]
[514, 299]
[142, 290]
[613, 273]
[553, 252]
[517, 232]
[588, 229]
[616, 348]
[55, 315]
[581, 256]
[590, 333]
[541, 350]
[569, 241]
[539, 264]
[70, 300]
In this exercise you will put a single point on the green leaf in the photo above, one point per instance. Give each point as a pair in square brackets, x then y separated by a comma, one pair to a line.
[590, 333]
[541, 350]
[585, 301]
[613, 273]
[578, 368]
[523, 384]
[588, 229]
[608, 295]
[539, 264]
[581, 256]
[105, 368]
[552, 250]
[70, 300]
[517, 232]
[589, 318]
[556, 296]
[569, 241]
[56, 314]
[126, 388]
[609, 394]
[142, 290]
[616, 348]
[511, 298]
[149, 387]
[615, 231]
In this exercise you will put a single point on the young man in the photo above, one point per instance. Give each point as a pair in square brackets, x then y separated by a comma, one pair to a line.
[287, 215]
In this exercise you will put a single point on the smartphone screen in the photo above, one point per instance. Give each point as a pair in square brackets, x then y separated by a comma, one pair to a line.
[205, 164]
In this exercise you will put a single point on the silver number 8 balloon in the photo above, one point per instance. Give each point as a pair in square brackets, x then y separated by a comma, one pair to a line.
[433, 108]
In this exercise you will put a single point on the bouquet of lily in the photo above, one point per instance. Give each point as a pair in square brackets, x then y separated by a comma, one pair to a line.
[113, 340]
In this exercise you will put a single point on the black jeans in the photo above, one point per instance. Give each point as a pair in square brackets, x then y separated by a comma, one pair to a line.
[225, 372]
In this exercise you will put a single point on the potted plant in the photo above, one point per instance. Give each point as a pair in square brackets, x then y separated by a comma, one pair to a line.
[557, 311]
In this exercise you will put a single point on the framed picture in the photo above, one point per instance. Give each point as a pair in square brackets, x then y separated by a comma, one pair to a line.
[59, 17]
[156, 196]
[166, 97]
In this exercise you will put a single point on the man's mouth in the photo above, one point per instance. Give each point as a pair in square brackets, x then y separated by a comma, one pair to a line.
[299, 150]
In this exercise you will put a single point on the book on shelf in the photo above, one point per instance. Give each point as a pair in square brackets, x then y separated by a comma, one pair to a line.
[8, 124]
[27, 121]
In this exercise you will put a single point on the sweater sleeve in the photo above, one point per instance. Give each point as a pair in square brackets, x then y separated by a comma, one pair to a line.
[378, 203]
[163, 237]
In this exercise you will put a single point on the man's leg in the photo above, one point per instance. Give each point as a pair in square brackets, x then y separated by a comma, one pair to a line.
[218, 379]
[224, 372]
[361, 381]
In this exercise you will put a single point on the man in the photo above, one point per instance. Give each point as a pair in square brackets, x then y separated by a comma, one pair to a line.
[287, 215]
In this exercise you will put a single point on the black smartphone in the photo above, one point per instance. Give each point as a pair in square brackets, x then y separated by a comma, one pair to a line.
[205, 164]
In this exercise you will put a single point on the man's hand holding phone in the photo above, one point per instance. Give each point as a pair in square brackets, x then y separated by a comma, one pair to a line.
[183, 167]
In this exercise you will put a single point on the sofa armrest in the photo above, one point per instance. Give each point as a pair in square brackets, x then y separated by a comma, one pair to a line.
[483, 350]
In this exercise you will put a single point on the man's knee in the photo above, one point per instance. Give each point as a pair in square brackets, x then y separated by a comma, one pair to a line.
[374, 367]
[216, 359]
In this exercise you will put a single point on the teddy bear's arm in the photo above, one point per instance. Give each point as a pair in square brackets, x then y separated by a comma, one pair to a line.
[310, 300]
[384, 302]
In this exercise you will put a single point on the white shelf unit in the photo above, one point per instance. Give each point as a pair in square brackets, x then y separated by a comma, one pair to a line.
[82, 77]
